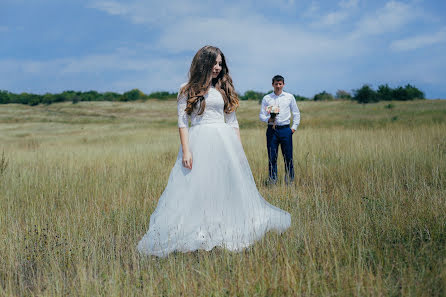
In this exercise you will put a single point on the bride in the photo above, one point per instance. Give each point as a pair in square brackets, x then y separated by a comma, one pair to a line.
[211, 198]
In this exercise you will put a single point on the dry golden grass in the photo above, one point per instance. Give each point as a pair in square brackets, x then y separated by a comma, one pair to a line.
[78, 183]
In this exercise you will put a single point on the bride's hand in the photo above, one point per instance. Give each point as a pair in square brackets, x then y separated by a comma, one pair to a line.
[187, 160]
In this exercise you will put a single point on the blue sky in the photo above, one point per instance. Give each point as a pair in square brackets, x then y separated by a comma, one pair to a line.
[106, 45]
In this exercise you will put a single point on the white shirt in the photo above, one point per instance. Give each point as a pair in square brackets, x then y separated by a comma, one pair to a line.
[213, 112]
[287, 105]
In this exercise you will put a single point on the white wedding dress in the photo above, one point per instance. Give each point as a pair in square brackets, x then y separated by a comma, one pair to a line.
[217, 202]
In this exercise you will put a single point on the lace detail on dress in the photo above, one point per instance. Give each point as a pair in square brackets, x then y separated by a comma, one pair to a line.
[213, 112]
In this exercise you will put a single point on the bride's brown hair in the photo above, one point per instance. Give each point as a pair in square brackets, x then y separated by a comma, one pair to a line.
[200, 79]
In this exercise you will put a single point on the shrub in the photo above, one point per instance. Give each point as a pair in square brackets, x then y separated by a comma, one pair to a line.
[111, 96]
[341, 94]
[252, 95]
[133, 95]
[4, 97]
[162, 95]
[301, 98]
[409, 92]
[365, 95]
[384, 93]
[414, 92]
[323, 96]
[75, 99]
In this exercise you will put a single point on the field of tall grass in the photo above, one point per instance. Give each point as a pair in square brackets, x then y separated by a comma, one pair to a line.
[78, 183]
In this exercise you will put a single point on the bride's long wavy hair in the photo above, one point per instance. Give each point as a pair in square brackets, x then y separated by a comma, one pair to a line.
[200, 79]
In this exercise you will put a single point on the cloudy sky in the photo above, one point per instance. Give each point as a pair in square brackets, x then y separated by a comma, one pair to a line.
[107, 45]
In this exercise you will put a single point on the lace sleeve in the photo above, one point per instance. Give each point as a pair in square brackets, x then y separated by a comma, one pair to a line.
[231, 119]
[183, 117]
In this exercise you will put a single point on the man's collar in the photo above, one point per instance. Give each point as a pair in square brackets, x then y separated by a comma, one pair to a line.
[281, 94]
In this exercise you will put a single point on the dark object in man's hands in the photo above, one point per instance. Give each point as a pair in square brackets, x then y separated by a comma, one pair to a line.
[272, 119]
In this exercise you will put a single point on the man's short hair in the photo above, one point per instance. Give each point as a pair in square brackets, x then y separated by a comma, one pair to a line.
[278, 78]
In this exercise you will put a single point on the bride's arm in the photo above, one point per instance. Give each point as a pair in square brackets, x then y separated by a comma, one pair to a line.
[237, 131]
[183, 125]
[187, 156]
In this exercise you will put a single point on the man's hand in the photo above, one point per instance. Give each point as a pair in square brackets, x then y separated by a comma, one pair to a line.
[187, 160]
[293, 130]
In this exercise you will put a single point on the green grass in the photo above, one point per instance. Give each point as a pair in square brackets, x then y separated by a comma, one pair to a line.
[78, 183]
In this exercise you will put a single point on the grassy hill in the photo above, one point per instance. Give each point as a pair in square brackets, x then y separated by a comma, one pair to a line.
[78, 183]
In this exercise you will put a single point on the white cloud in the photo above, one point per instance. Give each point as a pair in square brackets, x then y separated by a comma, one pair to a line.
[253, 38]
[249, 42]
[347, 4]
[120, 71]
[27, 66]
[4, 29]
[346, 8]
[334, 18]
[419, 41]
[154, 13]
[111, 7]
[420, 70]
[312, 10]
[257, 49]
[390, 18]
[103, 62]
[98, 63]
[235, 26]
[5, 66]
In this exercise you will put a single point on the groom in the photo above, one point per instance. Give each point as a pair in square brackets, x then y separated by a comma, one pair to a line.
[279, 131]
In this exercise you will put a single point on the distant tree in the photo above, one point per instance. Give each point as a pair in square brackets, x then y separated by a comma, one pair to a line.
[59, 98]
[90, 96]
[111, 96]
[68, 95]
[4, 97]
[365, 95]
[409, 92]
[162, 95]
[413, 92]
[341, 94]
[75, 99]
[34, 99]
[301, 98]
[400, 94]
[13, 98]
[385, 93]
[252, 95]
[23, 98]
[133, 95]
[323, 96]
[47, 98]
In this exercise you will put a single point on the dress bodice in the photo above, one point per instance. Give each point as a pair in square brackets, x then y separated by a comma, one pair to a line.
[213, 112]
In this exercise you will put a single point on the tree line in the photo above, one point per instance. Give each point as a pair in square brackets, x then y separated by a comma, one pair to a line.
[75, 97]
[365, 94]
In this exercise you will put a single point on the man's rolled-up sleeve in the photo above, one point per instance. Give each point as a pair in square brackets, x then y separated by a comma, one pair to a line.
[296, 113]
[263, 115]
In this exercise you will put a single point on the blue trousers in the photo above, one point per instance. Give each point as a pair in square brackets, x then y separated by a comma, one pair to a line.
[284, 136]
